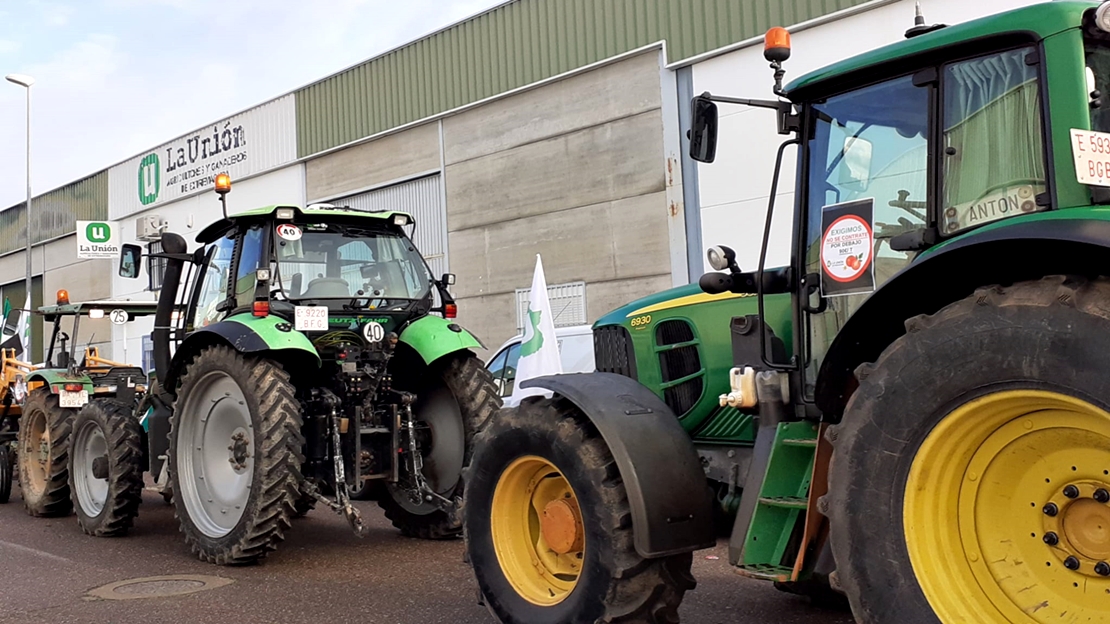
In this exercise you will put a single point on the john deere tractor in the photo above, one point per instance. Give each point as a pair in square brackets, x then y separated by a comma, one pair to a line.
[926, 381]
[301, 359]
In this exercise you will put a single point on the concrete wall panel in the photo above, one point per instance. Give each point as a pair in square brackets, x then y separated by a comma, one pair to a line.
[604, 297]
[602, 163]
[491, 318]
[389, 158]
[623, 89]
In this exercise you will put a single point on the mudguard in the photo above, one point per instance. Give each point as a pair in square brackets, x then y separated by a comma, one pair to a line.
[54, 379]
[671, 508]
[434, 337]
[247, 333]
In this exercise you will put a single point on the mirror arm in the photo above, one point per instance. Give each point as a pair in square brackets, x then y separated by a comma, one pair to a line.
[772, 104]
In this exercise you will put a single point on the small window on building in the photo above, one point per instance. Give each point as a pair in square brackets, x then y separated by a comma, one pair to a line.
[568, 304]
[148, 354]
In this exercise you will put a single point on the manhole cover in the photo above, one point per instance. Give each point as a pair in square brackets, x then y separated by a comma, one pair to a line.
[158, 587]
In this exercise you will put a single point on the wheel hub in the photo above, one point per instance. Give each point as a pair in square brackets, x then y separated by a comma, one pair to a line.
[100, 467]
[561, 527]
[1077, 527]
[240, 450]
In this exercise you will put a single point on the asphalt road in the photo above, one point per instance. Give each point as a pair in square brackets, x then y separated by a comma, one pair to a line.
[322, 573]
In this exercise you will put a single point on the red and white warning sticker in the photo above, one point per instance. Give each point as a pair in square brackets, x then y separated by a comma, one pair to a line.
[846, 248]
[289, 232]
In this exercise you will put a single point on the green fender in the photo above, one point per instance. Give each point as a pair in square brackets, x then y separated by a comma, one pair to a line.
[54, 378]
[247, 333]
[433, 337]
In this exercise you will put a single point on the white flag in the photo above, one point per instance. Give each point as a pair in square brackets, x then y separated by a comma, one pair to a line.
[539, 348]
[23, 329]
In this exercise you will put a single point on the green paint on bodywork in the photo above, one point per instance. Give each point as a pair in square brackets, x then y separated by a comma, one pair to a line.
[783, 497]
[1043, 20]
[1082, 213]
[217, 228]
[277, 340]
[53, 377]
[432, 338]
[709, 317]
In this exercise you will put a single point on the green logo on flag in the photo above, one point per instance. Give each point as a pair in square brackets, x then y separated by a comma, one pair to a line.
[97, 232]
[150, 179]
[536, 341]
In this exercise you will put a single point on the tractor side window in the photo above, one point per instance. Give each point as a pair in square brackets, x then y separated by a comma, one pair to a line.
[868, 146]
[214, 288]
[510, 368]
[250, 260]
[993, 151]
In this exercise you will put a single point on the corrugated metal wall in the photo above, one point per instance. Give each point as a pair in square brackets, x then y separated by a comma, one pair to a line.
[520, 43]
[55, 213]
[422, 198]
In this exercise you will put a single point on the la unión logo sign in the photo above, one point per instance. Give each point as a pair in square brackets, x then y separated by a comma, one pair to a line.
[150, 179]
[98, 239]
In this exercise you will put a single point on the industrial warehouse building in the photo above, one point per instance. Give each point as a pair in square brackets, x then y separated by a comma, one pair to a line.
[540, 126]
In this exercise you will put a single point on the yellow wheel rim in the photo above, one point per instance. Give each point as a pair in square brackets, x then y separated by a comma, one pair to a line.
[1005, 514]
[35, 457]
[537, 531]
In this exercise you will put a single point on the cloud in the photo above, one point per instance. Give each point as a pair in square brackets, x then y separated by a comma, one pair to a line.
[57, 14]
[8, 47]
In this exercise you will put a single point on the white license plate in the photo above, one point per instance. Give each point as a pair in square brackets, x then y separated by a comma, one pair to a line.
[73, 399]
[310, 318]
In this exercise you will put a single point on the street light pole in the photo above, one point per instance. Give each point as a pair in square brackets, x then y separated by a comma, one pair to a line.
[26, 82]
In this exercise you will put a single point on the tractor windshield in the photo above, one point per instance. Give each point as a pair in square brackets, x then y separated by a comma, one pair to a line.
[375, 267]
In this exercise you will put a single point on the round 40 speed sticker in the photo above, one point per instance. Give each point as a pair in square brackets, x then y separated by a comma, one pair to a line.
[373, 332]
[289, 232]
[846, 248]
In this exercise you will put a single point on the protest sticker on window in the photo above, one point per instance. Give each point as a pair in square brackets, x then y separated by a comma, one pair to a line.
[847, 248]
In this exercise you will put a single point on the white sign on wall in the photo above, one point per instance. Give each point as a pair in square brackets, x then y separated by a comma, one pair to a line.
[251, 142]
[98, 239]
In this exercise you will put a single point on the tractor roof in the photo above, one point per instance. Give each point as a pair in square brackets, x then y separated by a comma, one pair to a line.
[1039, 20]
[322, 212]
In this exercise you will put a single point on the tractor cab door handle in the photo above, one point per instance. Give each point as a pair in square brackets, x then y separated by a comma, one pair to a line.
[812, 301]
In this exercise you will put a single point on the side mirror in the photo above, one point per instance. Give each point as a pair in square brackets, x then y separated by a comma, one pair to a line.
[855, 168]
[130, 259]
[703, 129]
[448, 279]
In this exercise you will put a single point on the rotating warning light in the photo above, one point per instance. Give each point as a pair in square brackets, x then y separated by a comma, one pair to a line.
[223, 183]
[776, 44]
[63, 297]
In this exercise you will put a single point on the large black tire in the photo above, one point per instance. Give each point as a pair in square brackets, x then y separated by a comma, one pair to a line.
[5, 472]
[44, 482]
[615, 584]
[270, 458]
[1047, 336]
[476, 398]
[106, 432]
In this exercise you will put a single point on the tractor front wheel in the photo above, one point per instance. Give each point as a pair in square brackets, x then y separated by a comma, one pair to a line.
[971, 475]
[106, 468]
[44, 429]
[549, 526]
[454, 400]
[235, 444]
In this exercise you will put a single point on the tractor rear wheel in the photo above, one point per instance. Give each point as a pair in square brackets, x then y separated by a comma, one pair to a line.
[235, 448]
[549, 527]
[106, 468]
[970, 477]
[44, 429]
[456, 399]
[5, 473]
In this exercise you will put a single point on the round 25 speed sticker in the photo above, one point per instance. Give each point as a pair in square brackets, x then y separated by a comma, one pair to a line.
[846, 248]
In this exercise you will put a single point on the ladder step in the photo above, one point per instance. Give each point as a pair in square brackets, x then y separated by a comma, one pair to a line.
[809, 442]
[790, 502]
[366, 430]
[765, 572]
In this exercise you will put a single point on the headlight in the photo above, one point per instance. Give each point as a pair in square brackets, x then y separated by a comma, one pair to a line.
[1102, 17]
[717, 258]
[400, 219]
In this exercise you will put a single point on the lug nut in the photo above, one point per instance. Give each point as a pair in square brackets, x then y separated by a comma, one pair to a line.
[1051, 509]
[1102, 568]
[1071, 491]
[1051, 539]
[1102, 495]
[1071, 563]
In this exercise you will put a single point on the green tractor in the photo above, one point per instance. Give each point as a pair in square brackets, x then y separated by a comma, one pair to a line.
[300, 362]
[923, 387]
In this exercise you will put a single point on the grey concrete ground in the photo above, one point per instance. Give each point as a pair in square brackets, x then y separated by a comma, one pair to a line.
[321, 573]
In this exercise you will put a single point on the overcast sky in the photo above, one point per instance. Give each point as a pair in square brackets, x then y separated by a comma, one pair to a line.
[115, 77]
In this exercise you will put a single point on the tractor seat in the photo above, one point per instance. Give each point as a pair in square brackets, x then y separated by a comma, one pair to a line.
[322, 287]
